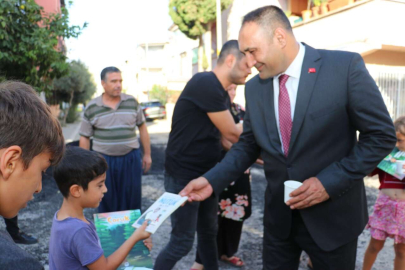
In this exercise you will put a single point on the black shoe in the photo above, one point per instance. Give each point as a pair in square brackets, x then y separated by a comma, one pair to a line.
[23, 238]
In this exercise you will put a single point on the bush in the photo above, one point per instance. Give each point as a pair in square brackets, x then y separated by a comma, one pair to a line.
[73, 115]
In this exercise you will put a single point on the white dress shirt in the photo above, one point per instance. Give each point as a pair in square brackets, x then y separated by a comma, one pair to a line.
[294, 73]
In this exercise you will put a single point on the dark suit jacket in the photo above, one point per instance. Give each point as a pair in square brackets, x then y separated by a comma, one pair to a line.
[333, 103]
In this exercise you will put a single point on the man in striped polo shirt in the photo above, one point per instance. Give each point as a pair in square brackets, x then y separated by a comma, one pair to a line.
[111, 119]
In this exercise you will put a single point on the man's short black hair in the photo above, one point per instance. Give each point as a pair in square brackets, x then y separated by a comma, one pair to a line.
[269, 17]
[78, 167]
[230, 47]
[107, 70]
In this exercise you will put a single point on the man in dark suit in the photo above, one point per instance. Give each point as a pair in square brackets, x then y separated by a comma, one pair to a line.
[302, 114]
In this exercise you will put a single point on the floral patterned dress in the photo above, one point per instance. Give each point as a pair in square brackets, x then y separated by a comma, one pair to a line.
[234, 205]
[235, 200]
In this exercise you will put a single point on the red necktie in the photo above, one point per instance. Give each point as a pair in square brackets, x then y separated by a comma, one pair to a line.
[284, 113]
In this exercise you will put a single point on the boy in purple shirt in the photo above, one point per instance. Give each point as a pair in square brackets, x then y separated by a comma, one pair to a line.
[74, 243]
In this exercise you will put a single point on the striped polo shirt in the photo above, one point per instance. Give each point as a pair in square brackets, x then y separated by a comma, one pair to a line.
[113, 131]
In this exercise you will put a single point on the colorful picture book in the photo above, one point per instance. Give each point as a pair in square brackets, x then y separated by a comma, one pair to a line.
[389, 164]
[159, 211]
[113, 229]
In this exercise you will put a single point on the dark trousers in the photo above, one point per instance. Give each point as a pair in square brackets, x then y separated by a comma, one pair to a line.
[12, 225]
[228, 237]
[123, 181]
[186, 220]
[285, 253]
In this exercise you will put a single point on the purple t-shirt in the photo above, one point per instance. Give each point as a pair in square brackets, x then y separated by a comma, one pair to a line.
[73, 244]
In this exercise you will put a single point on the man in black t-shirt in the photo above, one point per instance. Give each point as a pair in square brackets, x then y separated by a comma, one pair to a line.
[200, 117]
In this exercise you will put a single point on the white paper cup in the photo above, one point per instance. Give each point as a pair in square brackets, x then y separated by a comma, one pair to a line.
[290, 186]
[400, 167]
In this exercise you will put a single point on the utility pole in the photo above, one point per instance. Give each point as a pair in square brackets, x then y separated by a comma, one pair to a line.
[219, 27]
[147, 68]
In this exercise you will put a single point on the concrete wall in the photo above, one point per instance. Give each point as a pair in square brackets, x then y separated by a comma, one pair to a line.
[50, 6]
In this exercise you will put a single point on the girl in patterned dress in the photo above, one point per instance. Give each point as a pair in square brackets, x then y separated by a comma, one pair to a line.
[235, 204]
[388, 218]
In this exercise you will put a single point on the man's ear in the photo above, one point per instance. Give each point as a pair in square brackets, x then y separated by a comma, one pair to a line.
[76, 191]
[230, 60]
[280, 36]
[9, 158]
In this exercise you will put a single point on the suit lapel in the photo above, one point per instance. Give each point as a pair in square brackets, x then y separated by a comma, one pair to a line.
[270, 117]
[312, 59]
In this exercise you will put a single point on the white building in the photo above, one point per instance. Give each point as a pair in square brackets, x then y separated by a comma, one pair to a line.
[182, 55]
[150, 67]
[369, 27]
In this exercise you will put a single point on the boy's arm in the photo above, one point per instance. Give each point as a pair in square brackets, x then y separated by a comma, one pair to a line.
[148, 243]
[115, 259]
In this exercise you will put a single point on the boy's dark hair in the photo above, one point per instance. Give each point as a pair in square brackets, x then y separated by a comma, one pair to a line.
[26, 121]
[78, 167]
[107, 70]
[230, 47]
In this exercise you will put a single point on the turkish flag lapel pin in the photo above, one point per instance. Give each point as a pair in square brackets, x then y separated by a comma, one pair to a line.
[311, 70]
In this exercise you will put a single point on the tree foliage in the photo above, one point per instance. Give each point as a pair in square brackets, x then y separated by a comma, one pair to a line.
[192, 16]
[31, 43]
[159, 92]
[76, 87]
[78, 81]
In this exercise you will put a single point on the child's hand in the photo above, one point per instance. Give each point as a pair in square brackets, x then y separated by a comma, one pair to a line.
[393, 160]
[140, 233]
[148, 243]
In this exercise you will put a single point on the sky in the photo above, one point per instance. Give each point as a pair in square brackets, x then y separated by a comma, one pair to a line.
[114, 30]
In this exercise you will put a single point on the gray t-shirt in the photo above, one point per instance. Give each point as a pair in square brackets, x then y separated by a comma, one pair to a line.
[13, 257]
[113, 130]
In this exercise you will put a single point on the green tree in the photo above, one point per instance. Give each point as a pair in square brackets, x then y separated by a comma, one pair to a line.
[158, 92]
[193, 16]
[76, 87]
[32, 43]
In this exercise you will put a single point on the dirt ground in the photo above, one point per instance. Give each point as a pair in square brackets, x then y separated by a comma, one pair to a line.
[36, 220]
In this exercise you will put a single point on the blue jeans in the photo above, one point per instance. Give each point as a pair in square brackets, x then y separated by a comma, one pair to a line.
[186, 220]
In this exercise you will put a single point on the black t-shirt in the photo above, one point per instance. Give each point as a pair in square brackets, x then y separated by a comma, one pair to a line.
[194, 144]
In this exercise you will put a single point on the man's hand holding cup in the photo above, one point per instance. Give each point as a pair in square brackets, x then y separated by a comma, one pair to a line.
[311, 192]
